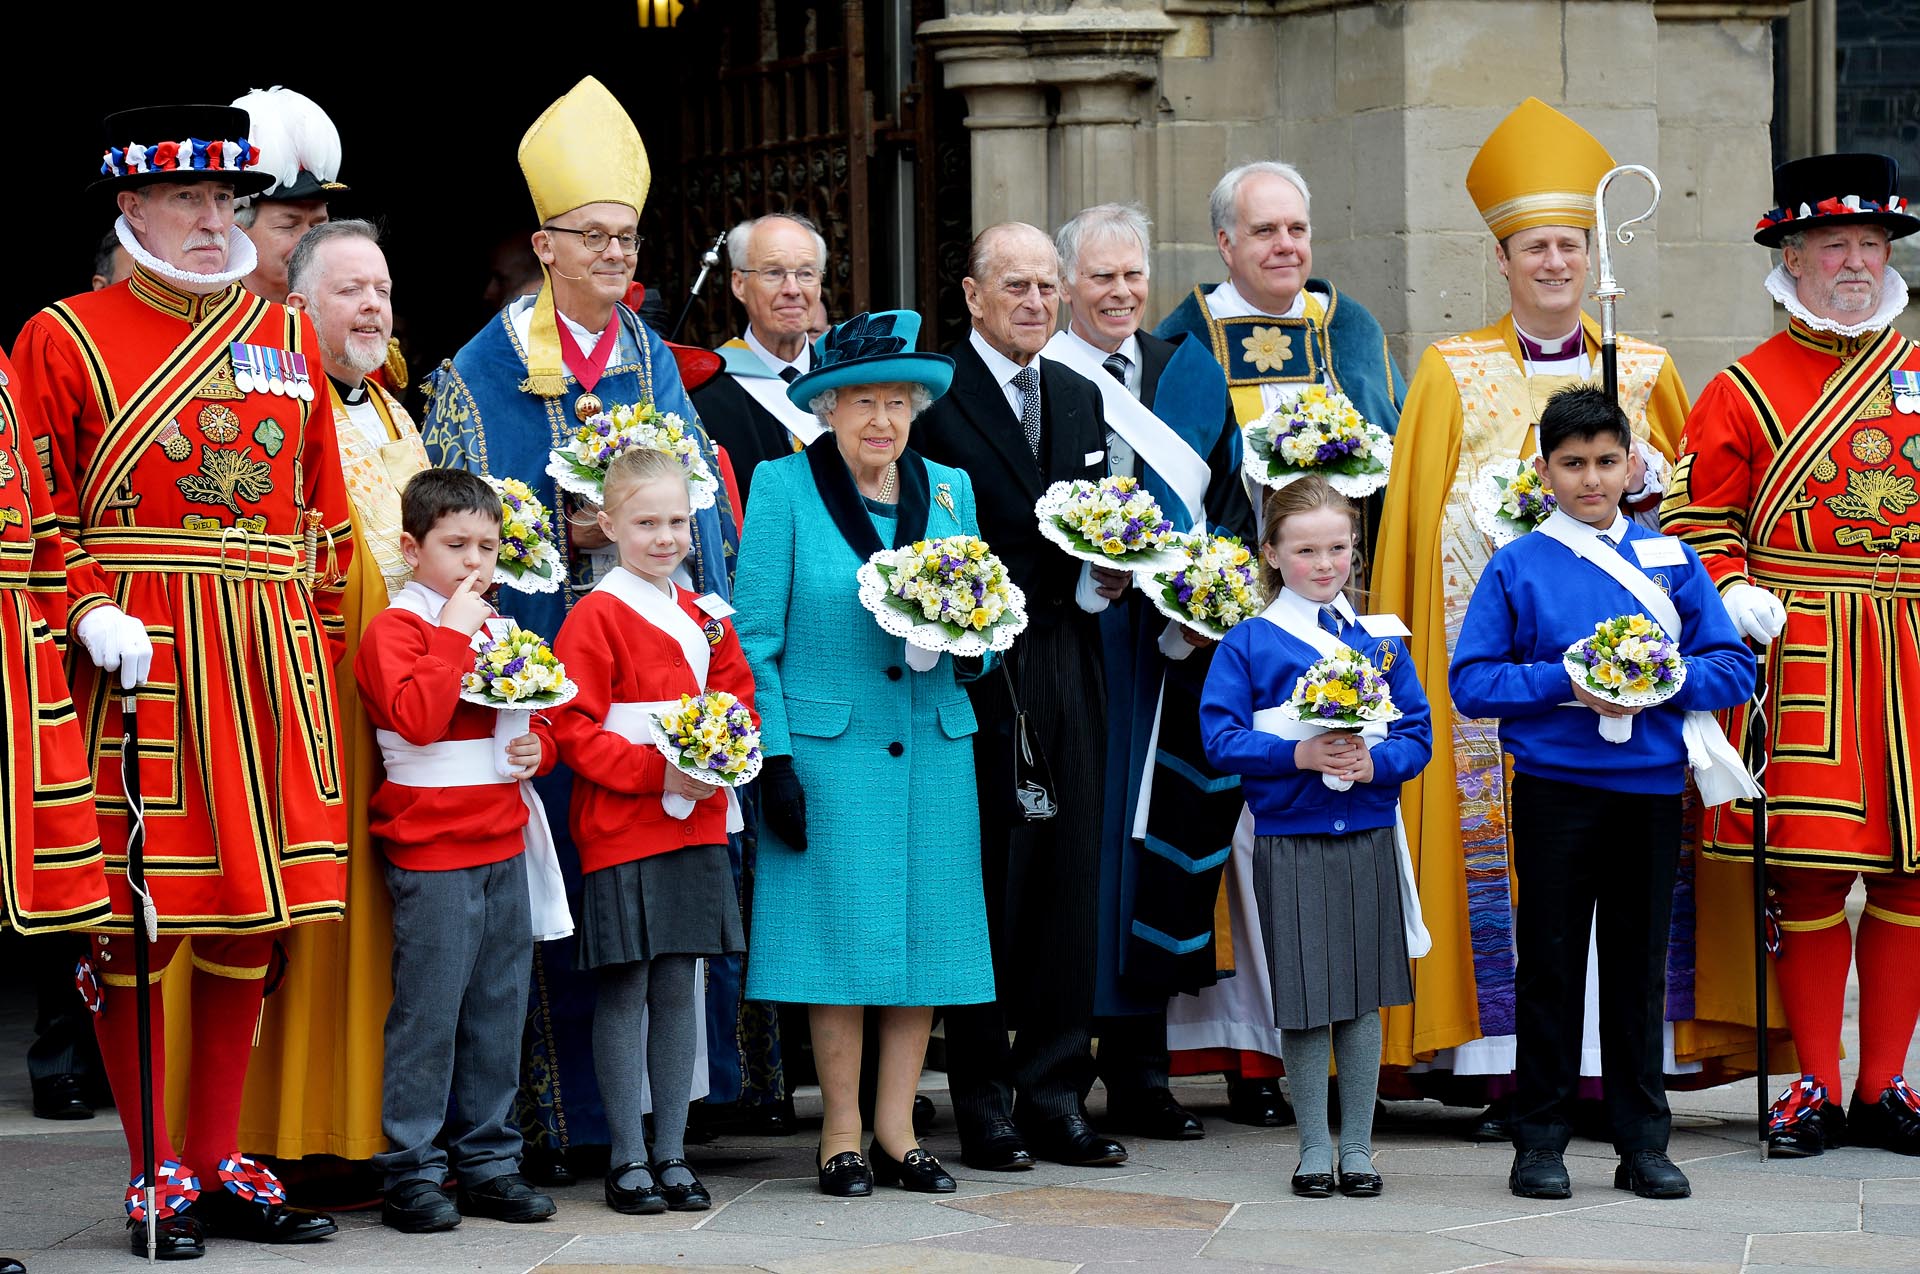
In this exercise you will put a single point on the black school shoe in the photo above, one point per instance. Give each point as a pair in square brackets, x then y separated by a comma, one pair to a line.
[1890, 1123]
[1651, 1175]
[1257, 1103]
[690, 1197]
[418, 1206]
[1539, 1174]
[506, 1197]
[1802, 1123]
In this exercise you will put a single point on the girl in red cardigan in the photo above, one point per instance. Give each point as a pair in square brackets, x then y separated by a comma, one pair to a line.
[658, 888]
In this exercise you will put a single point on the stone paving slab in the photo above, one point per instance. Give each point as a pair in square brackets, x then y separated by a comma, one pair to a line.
[1344, 1251]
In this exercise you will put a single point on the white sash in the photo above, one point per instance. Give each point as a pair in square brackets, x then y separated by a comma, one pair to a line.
[1717, 769]
[1158, 446]
[664, 613]
[1292, 620]
[470, 763]
[771, 392]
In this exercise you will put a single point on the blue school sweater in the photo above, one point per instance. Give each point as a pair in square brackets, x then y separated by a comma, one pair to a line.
[1535, 599]
[1255, 667]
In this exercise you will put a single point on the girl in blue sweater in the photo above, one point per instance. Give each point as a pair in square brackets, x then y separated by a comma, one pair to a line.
[1338, 911]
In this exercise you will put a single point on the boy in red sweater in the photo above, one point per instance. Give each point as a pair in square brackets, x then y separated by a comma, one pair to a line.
[453, 833]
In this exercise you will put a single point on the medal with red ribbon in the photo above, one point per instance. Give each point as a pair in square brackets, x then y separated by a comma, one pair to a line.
[587, 368]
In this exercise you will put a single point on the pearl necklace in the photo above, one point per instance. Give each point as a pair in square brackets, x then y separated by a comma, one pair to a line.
[888, 483]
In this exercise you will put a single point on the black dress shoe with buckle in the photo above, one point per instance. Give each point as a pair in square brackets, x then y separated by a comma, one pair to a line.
[179, 1237]
[916, 1170]
[60, 1097]
[1312, 1185]
[998, 1148]
[1070, 1140]
[506, 1197]
[846, 1176]
[228, 1216]
[1258, 1103]
[1155, 1114]
[1651, 1175]
[1540, 1174]
[418, 1206]
[643, 1200]
[1802, 1123]
[1890, 1123]
[688, 1197]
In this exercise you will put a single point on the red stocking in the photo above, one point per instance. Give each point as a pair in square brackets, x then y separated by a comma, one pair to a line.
[229, 975]
[1812, 968]
[117, 1027]
[1889, 995]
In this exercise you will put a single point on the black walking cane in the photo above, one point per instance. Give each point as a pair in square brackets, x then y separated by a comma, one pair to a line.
[1757, 766]
[146, 932]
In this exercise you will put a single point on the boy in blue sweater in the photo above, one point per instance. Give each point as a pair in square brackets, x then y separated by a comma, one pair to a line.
[1593, 822]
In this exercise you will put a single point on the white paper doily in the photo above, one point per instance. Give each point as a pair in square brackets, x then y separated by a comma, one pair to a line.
[537, 703]
[1645, 699]
[671, 751]
[529, 582]
[1047, 508]
[933, 636]
[1355, 486]
[1154, 589]
[1485, 495]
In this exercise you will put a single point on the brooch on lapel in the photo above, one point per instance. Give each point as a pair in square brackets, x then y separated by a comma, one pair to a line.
[943, 496]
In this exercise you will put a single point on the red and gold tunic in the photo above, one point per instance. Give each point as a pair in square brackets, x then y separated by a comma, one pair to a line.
[211, 508]
[1799, 475]
[50, 871]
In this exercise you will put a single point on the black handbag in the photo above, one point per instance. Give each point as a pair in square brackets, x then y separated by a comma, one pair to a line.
[1032, 778]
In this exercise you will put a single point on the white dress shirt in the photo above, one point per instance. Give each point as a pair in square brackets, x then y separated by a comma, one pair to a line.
[1003, 370]
[802, 364]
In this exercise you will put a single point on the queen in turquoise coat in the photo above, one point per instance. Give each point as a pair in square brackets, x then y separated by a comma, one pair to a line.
[868, 889]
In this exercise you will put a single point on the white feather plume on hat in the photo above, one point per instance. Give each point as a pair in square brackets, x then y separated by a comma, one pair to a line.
[292, 133]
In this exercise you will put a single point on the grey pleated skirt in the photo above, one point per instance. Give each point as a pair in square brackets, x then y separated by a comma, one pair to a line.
[678, 903]
[1330, 915]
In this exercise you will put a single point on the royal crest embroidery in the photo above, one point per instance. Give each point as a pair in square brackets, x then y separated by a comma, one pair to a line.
[219, 386]
[195, 522]
[1824, 469]
[173, 441]
[1911, 450]
[219, 423]
[226, 478]
[7, 472]
[271, 436]
[1870, 446]
[1874, 493]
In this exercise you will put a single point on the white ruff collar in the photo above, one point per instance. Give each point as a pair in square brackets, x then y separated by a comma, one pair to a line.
[241, 261]
[1893, 299]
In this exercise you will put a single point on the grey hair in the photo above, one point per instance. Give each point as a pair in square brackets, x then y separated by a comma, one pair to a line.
[1797, 240]
[1220, 205]
[823, 403]
[740, 238]
[304, 262]
[1118, 219]
[245, 213]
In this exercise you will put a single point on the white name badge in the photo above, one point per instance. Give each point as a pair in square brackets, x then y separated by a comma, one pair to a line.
[1384, 626]
[713, 605]
[1094, 457]
[1661, 550]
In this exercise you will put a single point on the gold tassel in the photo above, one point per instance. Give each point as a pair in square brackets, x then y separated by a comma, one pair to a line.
[546, 375]
[544, 384]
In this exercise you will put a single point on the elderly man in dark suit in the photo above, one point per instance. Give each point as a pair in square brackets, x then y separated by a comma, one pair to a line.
[1017, 422]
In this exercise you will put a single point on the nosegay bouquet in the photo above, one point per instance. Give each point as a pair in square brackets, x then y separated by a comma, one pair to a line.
[1213, 591]
[948, 594]
[1342, 691]
[1113, 523]
[528, 560]
[580, 467]
[1629, 661]
[710, 737]
[515, 672]
[1319, 432]
[1508, 500]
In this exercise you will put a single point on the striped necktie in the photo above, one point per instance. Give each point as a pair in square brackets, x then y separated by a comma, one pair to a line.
[1330, 620]
[1117, 366]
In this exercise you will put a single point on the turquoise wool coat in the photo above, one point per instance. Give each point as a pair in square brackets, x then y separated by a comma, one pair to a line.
[885, 906]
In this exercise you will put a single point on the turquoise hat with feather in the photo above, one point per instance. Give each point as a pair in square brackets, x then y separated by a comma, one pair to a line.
[872, 349]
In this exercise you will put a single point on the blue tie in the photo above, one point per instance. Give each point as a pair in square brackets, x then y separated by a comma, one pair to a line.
[1330, 620]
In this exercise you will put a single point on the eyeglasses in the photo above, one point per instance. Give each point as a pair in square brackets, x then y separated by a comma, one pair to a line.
[596, 241]
[776, 278]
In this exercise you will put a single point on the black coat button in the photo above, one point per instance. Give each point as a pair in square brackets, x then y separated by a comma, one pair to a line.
[893, 674]
[895, 749]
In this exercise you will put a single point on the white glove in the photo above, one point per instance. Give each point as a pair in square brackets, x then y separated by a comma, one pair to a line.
[1657, 469]
[116, 641]
[1757, 613]
[920, 659]
[1085, 594]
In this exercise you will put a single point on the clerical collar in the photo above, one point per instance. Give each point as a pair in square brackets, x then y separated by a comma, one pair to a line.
[1226, 301]
[351, 397]
[802, 364]
[1893, 299]
[242, 260]
[1561, 350]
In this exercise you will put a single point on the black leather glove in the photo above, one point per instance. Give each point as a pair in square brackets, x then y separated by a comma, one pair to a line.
[782, 802]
